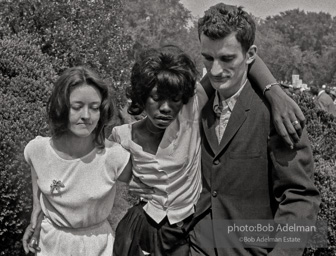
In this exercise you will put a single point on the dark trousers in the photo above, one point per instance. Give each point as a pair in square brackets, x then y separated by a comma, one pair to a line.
[137, 232]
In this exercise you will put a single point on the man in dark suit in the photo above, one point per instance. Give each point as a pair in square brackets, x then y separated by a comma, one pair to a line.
[248, 172]
[323, 100]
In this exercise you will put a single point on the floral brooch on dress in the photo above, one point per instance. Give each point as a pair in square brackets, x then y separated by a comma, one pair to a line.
[56, 185]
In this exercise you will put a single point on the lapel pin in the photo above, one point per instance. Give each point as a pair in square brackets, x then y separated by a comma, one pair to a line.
[56, 185]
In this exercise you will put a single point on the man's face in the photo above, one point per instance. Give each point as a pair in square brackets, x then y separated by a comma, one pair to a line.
[226, 63]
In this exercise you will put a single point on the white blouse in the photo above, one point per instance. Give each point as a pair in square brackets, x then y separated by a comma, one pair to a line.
[175, 171]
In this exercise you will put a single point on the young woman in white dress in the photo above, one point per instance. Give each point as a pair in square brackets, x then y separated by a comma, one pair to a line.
[74, 171]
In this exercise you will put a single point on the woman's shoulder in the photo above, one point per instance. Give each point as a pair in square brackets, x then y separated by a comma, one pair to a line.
[111, 145]
[38, 141]
[122, 128]
[114, 146]
[121, 134]
[115, 154]
[36, 145]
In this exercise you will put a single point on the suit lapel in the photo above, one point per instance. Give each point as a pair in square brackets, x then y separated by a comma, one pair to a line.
[237, 118]
[208, 122]
[319, 96]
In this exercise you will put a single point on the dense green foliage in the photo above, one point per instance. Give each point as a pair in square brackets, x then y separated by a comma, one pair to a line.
[152, 24]
[25, 82]
[41, 38]
[299, 41]
[321, 128]
[165, 22]
[75, 32]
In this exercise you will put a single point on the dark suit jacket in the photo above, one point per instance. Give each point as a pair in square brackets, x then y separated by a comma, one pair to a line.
[325, 102]
[252, 174]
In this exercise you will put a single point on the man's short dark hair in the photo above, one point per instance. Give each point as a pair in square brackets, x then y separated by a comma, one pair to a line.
[314, 89]
[221, 20]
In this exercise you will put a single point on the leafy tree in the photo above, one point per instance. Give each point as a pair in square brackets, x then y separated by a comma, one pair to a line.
[151, 22]
[161, 22]
[75, 32]
[308, 30]
[275, 52]
[187, 39]
[296, 40]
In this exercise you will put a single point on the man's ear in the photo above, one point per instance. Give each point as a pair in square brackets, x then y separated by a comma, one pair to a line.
[251, 54]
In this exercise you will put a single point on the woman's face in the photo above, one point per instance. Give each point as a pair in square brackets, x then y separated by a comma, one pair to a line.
[162, 112]
[84, 113]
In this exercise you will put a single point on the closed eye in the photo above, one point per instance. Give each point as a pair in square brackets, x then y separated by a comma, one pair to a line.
[155, 97]
[177, 99]
[95, 106]
[207, 57]
[76, 107]
[227, 58]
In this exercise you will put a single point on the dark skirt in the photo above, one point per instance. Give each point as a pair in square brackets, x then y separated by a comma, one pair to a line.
[137, 232]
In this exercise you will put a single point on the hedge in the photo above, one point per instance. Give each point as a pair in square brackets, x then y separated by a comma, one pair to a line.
[321, 128]
[75, 32]
[25, 82]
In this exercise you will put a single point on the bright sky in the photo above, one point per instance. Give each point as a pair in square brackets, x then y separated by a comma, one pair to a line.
[264, 8]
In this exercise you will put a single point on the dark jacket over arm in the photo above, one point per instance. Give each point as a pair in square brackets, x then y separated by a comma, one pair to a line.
[293, 189]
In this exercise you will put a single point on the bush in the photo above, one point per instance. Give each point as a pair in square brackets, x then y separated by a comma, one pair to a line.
[325, 181]
[25, 82]
[321, 128]
[75, 32]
